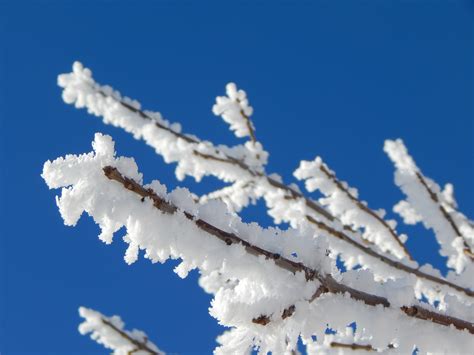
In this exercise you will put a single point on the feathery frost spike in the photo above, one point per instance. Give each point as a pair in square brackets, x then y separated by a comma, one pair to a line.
[236, 111]
[236, 196]
[110, 332]
[426, 202]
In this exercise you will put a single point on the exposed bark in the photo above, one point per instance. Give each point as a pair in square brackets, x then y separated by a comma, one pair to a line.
[139, 345]
[467, 249]
[352, 346]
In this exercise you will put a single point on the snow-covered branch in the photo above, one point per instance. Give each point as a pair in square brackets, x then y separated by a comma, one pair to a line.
[327, 282]
[236, 111]
[233, 164]
[342, 201]
[426, 202]
[110, 332]
[274, 274]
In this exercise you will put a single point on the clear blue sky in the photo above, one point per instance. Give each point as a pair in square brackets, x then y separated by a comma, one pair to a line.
[329, 78]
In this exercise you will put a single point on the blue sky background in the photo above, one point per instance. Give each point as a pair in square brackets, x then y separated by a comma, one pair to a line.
[329, 78]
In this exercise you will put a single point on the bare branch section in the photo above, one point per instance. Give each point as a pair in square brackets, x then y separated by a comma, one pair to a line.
[329, 283]
[352, 346]
[346, 340]
[110, 332]
[85, 91]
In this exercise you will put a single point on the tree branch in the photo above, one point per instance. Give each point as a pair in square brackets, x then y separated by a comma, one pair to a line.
[446, 215]
[327, 281]
[138, 344]
[365, 209]
[249, 124]
[110, 332]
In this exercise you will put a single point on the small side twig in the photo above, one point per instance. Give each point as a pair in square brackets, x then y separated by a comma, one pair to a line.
[353, 346]
[467, 249]
[139, 345]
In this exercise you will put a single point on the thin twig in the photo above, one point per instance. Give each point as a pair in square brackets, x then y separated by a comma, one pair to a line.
[138, 344]
[446, 215]
[365, 209]
[326, 280]
[355, 346]
[352, 346]
[249, 124]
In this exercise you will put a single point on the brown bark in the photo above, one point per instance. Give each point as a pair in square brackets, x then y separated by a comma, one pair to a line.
[352, 346]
